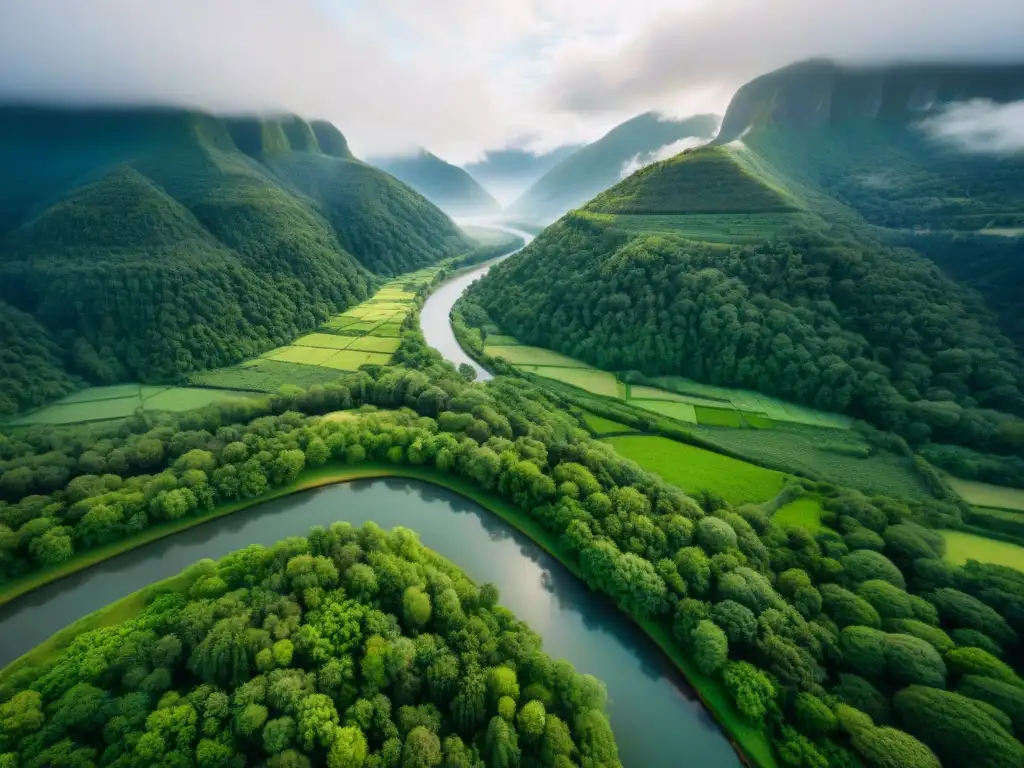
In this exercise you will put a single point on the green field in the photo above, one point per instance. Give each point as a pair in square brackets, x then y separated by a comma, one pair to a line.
[711, 228]
[962, 546]
[502, 341]
[523, 355]
[589, 379]
[374, 344]
[599, 425]
[810, 450]
[301, 355]
[186, 398]
[640, 392]
[324, 341]
[717, 417]
[674, 410]
[985, 495]
[804, 512]
[262, 375]
[349, 360]
[695, 469]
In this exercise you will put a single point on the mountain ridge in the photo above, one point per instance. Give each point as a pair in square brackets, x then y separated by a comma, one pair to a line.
[448, 186]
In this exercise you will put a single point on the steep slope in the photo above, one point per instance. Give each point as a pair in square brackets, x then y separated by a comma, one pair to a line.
[599, 165]
[145, 244]
[447, 186]
[507, 173]
[743, 264]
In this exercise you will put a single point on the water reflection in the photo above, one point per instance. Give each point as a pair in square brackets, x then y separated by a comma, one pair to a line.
[656, 720]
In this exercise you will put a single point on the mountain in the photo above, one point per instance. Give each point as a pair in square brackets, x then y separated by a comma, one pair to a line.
[599, 165]
[761, 261]
[447, 186]
[509, 172]
[144, 244]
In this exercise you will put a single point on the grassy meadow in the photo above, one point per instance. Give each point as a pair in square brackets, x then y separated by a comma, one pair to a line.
[986, 495]
[695, 469]
[804, 512]
[962, 546]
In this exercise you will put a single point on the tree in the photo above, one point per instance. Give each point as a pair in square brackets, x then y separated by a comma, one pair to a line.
[416, 607]
[530, 721]
[317, 452]
[892, 748]
[751, 689]
[347, 748]
[738, 622]
[278, 734]
[865, 565]
[715, 535]
[422, 749]
[813, 716]
[710, 646]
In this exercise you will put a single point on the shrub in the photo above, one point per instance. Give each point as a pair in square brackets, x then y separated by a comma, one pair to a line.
[975, 639]
[751, 689]
[890, 602]
[1008, 698]
[710, 647]
[738, 622]
[892, 748]
[975, 661]
[911, 660]
[864, 565]
[862, 695]
[864, 649]
[813, 716]
[847, 609]
[958, 609]
[938, 639]
[715, 535]
[958, 730]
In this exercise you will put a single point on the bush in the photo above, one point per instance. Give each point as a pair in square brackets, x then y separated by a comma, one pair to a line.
[975, 661]
[958, 730]
[715, 535]
[738, 622]
[710, 647]
[813, 716]
[958, 609]
[864, 649]
[847, 609]
[938, 639]
[1006, 697]
[860, 694]
[975, 639]
[890, 602]
[751, 689]
[911, 660]
[864, 565]
[892, 748]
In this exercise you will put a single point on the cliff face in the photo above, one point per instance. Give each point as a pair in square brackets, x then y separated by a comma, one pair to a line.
[822, 93]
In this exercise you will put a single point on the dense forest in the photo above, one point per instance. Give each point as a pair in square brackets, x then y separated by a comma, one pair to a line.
[352, 648]
[447, 186]
[857, 645]
[145, 244]
[600, 164]
[841, 325]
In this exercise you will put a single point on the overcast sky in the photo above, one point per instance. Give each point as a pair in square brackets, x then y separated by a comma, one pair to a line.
[460, 76]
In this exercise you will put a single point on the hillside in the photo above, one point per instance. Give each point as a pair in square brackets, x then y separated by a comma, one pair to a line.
[509, 172]
[745, 264]
[145, 244]
[599, 165]
[447, 186]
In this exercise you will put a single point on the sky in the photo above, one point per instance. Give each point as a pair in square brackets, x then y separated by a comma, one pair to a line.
[462, 76]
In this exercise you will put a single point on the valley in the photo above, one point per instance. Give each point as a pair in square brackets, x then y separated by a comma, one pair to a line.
[723, 466]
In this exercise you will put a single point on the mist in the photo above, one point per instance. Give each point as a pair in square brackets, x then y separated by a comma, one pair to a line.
[637, 162]
[979, 126]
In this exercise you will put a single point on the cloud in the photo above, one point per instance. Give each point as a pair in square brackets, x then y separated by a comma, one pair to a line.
[701, 47]
[979, 125]
[637, 162]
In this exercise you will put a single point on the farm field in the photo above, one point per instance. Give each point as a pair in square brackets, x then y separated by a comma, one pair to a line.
[118, 402]
[962, 546]
[589, 379]
[986, 495]
[262, 375]
[717, 417]
[813, 451]
[674, 410]
[804, 512]
[524, 355]
[695, 469]
[602, 426]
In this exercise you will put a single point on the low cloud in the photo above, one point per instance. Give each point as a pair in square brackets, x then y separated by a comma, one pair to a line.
[637, 162]
[980, 126]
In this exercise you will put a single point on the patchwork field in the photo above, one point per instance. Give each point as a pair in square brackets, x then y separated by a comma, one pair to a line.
[814, 451]
[602, 426]
[262, 375]
[962, 546]
[523, 355]
[804, 512]
[695, 469]
[120, 401]
[986, 495]
[589, 379]
[673, 409]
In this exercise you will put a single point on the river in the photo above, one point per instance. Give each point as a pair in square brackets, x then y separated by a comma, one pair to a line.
[657, 722]
[434, 317]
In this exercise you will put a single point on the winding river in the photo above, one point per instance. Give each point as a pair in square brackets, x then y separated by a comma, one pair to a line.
[434, 317]
[658, 723]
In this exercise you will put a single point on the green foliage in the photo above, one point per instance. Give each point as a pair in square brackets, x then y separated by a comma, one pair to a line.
[957, 728]
[710, 646]
[862, 695]
[335, 700]
[446, 186]
[975, 661]
[866, 565]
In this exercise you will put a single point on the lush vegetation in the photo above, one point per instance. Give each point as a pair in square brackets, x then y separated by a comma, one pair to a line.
[447, 186]
[350, 648]
[146, 244]
[597, 166]
[817, 641]
[962, 546]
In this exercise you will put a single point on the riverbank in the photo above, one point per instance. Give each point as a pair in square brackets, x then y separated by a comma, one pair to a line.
[750, 743]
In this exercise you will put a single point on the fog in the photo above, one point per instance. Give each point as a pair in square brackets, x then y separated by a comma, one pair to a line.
[637, 162]
[463, 76]
[979, 126]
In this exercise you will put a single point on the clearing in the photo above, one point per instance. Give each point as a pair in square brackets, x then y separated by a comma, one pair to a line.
[804, 512]
[962, 546]
[695, 469]
[985, 495]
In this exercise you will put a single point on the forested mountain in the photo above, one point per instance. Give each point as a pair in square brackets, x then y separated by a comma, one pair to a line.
[601, 164]
[147, 243]
[747, 264]
[513, 170]
[447, 186]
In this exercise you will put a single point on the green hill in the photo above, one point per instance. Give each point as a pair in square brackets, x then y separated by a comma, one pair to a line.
[514, 170]
[599, 165]
[447, 186]
[749, 263]
[703, 180]
[145, 244]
